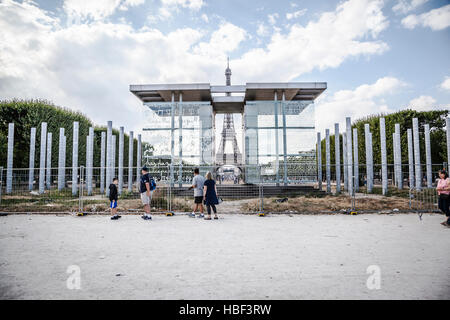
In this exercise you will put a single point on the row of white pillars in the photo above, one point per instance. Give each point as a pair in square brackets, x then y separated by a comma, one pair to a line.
[108, 145]
[351, 158]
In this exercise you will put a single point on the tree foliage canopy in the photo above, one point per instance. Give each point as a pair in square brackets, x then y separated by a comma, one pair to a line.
[26, 114]
[436, 120]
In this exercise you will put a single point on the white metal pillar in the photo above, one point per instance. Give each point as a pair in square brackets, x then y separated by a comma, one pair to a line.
[130, 162]
[10, 158]
[61, 165]
[75, 158]
[327, 159]
[109, 151]
[121, 142]
[369, 158]
[277, 160]
[49, 159]
[447, 125]
[283, 109]
[349, 155]
[337, 157]
[42, 157]
[102, 161]
[180, 141]
[398, 155]
[356, 159]
[172, 139]
[426, 128]
[344, 154]
[410, 158]
[319, 161]
[384, 182]
[416, 143]
[138, 158]
[32, 155]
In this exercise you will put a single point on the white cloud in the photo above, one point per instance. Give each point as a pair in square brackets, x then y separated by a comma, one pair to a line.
[296, 14]
[446, 84]
[224, 40]
[191, 4]
[436, 19]
[205, 17]
[351, 30]
[423, 103]
[168, 7]
[89, 66]
[79, 10]
[365, 100]
[405, 6]
[273, 18]
[262, 30]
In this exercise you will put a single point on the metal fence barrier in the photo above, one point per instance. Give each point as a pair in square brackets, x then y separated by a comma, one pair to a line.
[244, 189]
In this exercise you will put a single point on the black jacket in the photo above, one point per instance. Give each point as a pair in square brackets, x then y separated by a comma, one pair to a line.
[112, 192]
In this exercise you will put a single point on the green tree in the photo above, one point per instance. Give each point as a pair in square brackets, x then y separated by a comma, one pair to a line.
[436, 120]
[26, 114]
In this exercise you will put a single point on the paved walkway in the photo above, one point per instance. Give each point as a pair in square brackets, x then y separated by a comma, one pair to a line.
[239, 256]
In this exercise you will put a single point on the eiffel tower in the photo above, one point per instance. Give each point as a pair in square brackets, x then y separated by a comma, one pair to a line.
[228, 134]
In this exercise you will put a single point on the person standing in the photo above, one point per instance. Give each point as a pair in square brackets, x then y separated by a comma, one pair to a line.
[113, 195]
[147, 186]
[210, 196]
[197, 185]
[443, 189]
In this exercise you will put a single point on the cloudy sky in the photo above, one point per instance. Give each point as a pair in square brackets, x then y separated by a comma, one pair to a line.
[376, 56]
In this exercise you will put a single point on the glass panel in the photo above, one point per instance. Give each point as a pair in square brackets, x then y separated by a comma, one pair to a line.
[196, 131]
[262, 135]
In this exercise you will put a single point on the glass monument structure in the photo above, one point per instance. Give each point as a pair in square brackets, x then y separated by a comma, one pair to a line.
[278, 127]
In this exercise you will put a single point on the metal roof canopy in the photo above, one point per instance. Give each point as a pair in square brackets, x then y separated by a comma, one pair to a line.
[254, 91]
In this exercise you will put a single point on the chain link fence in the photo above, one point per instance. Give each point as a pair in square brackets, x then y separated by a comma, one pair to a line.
[272, 188]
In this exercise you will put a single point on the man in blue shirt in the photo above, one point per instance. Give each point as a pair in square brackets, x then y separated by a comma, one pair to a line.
[146, 192]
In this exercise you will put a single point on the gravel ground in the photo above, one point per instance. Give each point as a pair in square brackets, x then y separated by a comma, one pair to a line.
[237, 257]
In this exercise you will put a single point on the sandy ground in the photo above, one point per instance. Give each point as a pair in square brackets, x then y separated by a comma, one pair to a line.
[239, 257]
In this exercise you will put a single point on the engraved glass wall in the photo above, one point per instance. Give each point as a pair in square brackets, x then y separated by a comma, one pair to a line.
[171, 124]
[279, 137]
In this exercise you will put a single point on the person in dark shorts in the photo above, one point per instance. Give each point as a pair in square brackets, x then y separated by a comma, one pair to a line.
[443, 189]
[147, 186]
[197, 185]
[210, 196]
[113, 195]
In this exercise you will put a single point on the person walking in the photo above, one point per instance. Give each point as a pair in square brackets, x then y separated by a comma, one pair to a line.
[197, 184]
[147, 186]
[210, 196]
[113, 195]
[443, 190]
